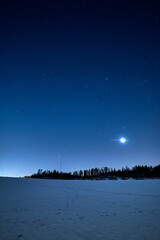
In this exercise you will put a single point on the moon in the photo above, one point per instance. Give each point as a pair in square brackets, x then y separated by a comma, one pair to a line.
[122, 140]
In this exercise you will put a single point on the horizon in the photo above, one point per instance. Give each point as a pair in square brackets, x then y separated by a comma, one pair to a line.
[68, 171]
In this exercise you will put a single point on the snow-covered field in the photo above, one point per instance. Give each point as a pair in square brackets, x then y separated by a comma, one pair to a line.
[72, 210]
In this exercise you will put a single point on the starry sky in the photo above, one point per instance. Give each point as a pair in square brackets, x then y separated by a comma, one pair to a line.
[75, 76]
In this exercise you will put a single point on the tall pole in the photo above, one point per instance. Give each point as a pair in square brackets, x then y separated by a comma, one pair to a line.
[60, 166]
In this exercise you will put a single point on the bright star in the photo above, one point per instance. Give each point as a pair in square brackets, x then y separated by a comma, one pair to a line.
[122, 140]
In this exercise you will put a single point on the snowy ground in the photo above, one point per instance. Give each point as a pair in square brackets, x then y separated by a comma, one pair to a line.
[56, 210]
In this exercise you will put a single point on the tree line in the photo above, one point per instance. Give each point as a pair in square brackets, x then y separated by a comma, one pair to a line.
[136, 172]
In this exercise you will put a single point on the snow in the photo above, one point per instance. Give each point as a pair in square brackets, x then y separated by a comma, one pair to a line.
[57, 209]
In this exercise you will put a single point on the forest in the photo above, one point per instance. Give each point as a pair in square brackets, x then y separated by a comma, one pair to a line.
[136, 172]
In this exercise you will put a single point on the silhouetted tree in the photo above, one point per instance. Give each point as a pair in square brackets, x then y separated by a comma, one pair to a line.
[137, 172]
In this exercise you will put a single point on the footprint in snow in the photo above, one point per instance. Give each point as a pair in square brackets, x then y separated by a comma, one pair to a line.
[20, 235]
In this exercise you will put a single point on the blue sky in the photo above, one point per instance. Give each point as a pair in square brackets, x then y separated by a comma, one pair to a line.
[74, 76]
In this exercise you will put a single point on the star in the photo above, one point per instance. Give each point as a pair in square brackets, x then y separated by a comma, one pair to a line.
[122, 140]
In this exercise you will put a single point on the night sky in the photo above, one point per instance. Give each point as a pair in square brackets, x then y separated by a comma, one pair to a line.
[75, 76]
